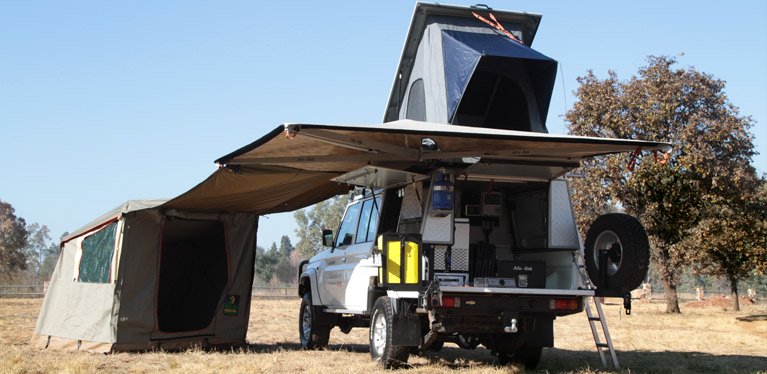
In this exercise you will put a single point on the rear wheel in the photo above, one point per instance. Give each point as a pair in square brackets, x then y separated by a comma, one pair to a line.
[313, 335]
[382, 348]
[527, 356]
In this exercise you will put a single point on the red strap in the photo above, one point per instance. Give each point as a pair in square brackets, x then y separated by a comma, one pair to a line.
[496, 25]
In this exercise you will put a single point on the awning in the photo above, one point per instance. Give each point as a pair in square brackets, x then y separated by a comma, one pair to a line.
[292, 166]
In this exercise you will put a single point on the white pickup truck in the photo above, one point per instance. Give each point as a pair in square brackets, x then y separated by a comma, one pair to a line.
[462, 230]
[463, 257]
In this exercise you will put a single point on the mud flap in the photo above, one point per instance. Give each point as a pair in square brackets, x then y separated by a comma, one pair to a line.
[543, 335]
[406, 330]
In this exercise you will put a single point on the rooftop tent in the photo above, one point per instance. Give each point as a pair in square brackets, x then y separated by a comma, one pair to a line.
[455, 69]
[146, 276]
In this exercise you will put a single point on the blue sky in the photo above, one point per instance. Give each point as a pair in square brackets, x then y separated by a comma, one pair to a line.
[101, 102]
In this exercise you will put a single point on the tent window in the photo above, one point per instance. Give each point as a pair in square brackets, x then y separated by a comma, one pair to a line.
[416, 102]
[96, 259]
[193, 274]
[493, 100]
[348, 226]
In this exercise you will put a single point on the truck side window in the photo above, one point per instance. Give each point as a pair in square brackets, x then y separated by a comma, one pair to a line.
[373, 227]
[362, 229]
[348, 226]
[368, 221]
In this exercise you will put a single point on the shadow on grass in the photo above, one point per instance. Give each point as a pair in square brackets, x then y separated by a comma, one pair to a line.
[562, 360]
[269, 348]
[753, 318]
[657, 362]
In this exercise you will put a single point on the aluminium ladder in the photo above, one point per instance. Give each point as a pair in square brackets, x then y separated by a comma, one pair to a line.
[608, 343]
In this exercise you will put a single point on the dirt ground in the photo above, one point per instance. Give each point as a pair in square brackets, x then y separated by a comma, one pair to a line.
[703, 339]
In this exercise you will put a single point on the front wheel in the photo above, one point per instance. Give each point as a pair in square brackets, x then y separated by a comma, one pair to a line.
[382, 348]
[313, 335]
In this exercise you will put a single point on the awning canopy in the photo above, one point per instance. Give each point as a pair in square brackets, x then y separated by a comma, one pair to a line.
[292, 166]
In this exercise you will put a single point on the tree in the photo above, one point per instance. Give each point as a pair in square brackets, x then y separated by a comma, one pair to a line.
[668, 193]
[311, 221]
[266, 261]
[13, 239]
[732, 239]
[39, 248]
[286, 248]
[284, 272]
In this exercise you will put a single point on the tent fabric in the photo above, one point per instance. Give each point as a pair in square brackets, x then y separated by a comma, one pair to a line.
[471, 74]
[121, 314]
[415, 53]
[128, 206]
[279, 173]
[462, 52]
[259, 190]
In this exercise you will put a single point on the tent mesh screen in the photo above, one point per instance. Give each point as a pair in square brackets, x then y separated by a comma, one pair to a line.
[96, 259]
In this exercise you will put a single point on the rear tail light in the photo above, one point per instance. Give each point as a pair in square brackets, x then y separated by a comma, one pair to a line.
[451, 301]
[563, 304]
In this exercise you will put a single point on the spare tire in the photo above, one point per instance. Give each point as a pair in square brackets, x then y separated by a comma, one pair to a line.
[628, 256]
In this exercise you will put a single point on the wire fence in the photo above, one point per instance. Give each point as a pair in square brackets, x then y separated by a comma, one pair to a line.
[21, 291]
[291, 292]
[38, 290]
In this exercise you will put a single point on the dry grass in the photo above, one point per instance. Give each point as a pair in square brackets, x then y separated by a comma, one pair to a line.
[700, 340]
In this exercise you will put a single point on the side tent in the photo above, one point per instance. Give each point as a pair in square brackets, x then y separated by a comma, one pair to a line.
[455, 69]
[145, 276]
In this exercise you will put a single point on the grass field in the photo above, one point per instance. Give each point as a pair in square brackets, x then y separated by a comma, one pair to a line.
[705, 339]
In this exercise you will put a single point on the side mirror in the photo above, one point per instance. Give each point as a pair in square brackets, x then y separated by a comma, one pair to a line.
[327, 238]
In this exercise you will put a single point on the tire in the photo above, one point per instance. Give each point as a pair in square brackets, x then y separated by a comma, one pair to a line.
[437, 346]
[313, 335]
[527, 356]
[382, 349]
[627, 265]
[469, 343]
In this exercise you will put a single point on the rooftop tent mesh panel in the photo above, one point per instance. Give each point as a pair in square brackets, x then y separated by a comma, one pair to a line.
[501, 57]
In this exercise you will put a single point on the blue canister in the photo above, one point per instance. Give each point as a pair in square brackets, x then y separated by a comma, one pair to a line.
[442, 196]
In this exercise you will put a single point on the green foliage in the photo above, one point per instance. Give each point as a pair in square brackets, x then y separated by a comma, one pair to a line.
[42, 253]
[311, 221]
[711, 146]
[286, 248]
[731, 241]
[266, 262]
[13, 239]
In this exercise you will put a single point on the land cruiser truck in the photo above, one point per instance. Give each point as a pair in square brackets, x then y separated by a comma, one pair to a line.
[461, 228]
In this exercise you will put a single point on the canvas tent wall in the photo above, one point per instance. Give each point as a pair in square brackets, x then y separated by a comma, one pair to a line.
[455, 69]
[146, 276]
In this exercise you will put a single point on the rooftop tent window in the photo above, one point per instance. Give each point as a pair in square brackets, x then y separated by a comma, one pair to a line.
[96, 259]
[492, 81]
[416, 102]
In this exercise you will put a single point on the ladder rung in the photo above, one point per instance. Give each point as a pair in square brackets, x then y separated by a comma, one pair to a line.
[603, 345]
[594, 319]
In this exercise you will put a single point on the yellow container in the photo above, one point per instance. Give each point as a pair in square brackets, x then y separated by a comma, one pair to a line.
[395, 260]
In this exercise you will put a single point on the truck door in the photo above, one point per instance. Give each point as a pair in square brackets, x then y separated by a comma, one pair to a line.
[333, 282]
[358, 265]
